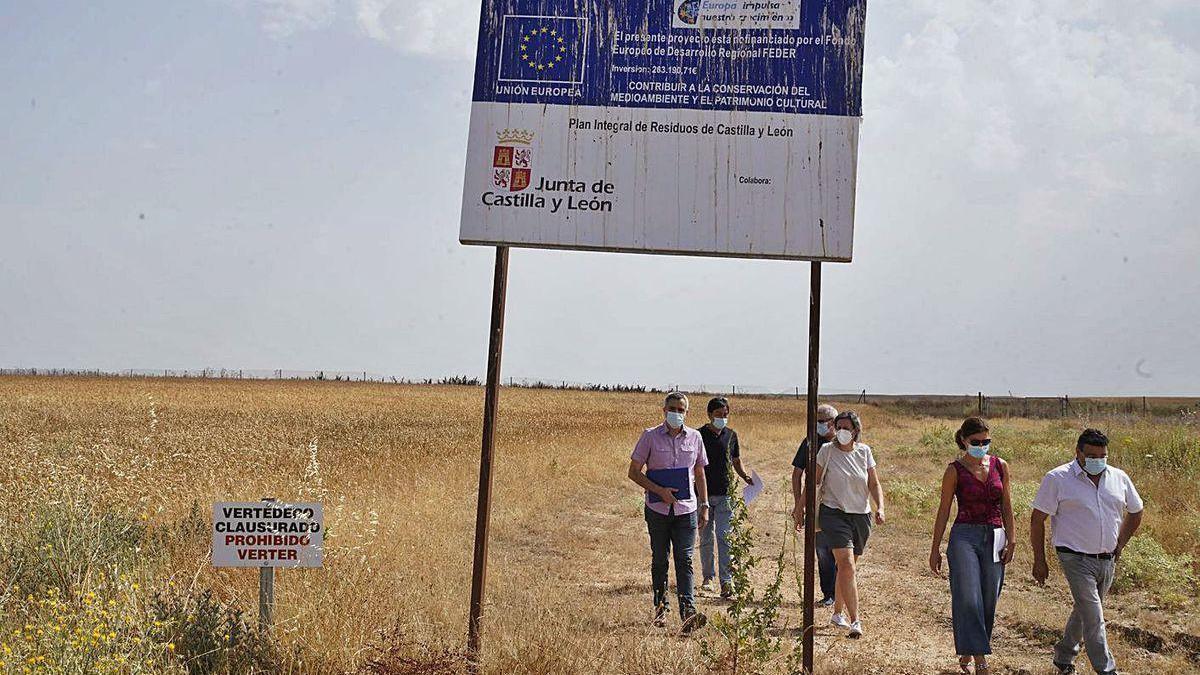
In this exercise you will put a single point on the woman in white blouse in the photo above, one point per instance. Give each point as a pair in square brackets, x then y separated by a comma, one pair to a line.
[848, 483]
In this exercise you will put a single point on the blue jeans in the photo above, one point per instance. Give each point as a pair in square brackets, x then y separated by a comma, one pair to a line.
[826, 567]
[672, 536]
[719, 514]
[975, 583]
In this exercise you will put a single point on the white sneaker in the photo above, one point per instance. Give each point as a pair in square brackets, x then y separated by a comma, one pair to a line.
[707, 586]
[839, 620]
[855, 630]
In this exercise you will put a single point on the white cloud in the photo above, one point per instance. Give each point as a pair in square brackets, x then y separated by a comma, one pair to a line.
[1047, 101]
[444, 29]
[437, 28]
[284, 18]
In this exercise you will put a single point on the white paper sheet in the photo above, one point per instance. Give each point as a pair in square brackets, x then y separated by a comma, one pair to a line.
[753, 490]
[998, 547]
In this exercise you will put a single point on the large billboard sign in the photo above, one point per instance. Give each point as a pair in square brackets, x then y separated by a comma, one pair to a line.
[697, 127]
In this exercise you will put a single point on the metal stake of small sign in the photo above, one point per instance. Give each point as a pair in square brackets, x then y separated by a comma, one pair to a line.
[266, 590]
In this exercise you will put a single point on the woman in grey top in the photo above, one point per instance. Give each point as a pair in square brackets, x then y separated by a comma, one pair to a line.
[848, 483]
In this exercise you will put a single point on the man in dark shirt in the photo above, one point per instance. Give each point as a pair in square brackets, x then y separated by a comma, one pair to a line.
[721, 446]
[825, 563]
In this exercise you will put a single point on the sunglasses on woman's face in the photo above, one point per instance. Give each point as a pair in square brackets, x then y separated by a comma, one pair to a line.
[980, 444]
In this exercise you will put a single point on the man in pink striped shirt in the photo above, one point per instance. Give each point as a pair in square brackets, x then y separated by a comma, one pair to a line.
[673, 459]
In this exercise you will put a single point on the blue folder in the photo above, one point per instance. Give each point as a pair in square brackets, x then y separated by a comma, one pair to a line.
[672, 478]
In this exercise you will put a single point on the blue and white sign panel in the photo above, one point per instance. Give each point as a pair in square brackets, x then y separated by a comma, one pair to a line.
[697, 127]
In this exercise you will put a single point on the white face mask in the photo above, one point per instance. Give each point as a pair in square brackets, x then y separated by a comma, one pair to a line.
[675, 420]
[844, 436]
[720, 422]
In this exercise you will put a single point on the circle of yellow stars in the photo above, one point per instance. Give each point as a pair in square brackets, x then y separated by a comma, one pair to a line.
[556, 44]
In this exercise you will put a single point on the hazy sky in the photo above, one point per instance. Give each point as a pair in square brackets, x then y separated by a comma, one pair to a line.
[277, 184]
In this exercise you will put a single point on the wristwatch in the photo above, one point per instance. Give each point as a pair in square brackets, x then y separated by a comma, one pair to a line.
[705, 505]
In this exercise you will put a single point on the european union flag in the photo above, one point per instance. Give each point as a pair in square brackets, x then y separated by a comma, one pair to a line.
[542, 48]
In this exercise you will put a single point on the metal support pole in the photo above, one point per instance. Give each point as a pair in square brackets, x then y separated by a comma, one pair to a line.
[810, 475]
[266, 590]
[484, 504]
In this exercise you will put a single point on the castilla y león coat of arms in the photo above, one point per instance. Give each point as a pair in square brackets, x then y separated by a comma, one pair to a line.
[512, 159]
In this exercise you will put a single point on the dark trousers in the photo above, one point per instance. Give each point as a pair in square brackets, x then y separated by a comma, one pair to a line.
[672, 536]
[826, 567]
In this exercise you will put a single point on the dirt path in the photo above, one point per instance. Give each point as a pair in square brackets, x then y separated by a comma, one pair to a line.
[570, 586]
[905, 608]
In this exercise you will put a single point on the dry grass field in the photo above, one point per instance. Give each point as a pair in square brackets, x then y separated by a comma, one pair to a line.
[106, 486]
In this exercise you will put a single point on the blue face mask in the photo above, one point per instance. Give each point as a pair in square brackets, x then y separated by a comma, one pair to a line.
[822, 428]
[675, 419]
[1095, 465]
[979, 451]
[720, 422]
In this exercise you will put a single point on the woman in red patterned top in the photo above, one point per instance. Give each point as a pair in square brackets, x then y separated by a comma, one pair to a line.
[981, 540]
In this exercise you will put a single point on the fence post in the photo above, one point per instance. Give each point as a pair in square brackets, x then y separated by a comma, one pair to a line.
[980, 404]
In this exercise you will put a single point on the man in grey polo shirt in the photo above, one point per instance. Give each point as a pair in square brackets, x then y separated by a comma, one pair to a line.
[1094, 511]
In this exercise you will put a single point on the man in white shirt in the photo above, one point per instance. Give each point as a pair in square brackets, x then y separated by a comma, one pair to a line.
[1094, 510]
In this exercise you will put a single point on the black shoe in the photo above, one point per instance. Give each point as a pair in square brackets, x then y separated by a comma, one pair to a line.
[660, 616]
[726, 590]
[1065, 669]
[693, 621]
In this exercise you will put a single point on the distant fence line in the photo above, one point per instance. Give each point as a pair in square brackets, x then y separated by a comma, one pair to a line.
[367, 376]
[1035, 406]
[220, 374]
[924, 404]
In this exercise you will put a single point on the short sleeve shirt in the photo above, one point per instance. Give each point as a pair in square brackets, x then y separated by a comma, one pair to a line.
[721, 447]
[800, 461]
[658, 449]
[844, 477]
[1084, 516]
